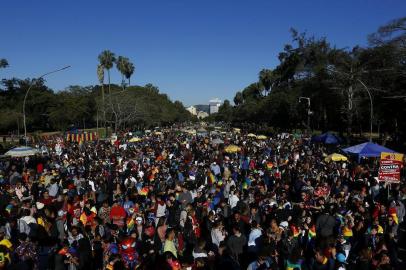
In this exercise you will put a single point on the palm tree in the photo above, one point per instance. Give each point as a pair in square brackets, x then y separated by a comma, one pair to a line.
[129, 70]
[266, 78]
[107, 59]
[100, 76]
[3, 63]
[121, 64]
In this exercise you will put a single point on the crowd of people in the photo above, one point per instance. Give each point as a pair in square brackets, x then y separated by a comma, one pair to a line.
[175, 200]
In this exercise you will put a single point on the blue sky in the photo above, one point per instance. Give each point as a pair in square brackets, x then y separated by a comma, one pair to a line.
[193, 50]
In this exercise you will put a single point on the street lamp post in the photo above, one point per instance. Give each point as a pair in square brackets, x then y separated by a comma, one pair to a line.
[26, 95]
[308, 112]
[371, 116]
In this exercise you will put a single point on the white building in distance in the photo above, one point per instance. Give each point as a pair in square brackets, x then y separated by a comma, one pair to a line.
[202, 115]
[192, 110]
[214, 105]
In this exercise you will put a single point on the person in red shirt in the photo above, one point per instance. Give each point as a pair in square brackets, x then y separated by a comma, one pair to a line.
[40, 168]
[46, 199]
[118, 214]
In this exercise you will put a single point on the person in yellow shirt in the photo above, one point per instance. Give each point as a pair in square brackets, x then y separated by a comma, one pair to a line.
[5, 248]
[169, 242]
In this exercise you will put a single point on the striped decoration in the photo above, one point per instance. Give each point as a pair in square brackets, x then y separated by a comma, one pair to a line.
[81, 137]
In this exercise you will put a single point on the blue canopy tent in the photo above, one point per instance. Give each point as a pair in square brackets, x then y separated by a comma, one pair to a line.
[327, 138]
[367, 149]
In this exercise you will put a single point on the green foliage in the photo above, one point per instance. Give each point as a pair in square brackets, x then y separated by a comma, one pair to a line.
[3, 63]
[334, 81]
[82, 106]
[107, 59]
[266, 77]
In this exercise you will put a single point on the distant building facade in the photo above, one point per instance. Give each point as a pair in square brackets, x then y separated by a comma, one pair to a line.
[192, 110]
[214, 105]
[202, 108]
[202, 115]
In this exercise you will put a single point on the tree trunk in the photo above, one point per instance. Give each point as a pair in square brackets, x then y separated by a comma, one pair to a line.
[128, 81]
[108, 74]
[104, 111]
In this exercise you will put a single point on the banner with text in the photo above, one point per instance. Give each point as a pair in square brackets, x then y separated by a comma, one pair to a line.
[390, 166]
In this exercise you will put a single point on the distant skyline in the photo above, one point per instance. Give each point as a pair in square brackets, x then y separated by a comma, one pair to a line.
[192, 50]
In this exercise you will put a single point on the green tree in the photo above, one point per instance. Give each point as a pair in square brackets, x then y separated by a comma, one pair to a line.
[238, 99]
[129, 71]
[122, 65]
[266, 78]
[100, 76]
[3, 63]
[107, 59]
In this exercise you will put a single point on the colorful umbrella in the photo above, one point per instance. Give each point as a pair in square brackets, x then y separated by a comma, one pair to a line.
[335, 157]
[262, 137]
[135, 139]
[232, 149]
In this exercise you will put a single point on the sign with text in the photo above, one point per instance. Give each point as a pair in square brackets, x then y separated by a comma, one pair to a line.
[390, 166]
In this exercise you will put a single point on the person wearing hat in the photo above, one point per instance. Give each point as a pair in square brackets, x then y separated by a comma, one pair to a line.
[340, 262]
[5, 248]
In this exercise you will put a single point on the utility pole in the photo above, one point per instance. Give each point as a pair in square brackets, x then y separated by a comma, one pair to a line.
[26, 95]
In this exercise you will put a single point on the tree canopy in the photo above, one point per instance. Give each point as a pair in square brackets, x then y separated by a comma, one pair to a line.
[335, 80]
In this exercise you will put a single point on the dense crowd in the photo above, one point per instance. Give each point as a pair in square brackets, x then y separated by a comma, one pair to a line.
[181, 201]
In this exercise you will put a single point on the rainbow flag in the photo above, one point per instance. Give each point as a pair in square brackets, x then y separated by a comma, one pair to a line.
[312, 232]
[83, 218]
[347, 232]
[130, 224]
[144, 191]
[393, 214]
[295, 230]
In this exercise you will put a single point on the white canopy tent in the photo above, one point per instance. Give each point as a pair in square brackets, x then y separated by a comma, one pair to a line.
[22, 151]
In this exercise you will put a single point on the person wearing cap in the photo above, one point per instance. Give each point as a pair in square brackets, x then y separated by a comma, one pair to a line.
[340, 261]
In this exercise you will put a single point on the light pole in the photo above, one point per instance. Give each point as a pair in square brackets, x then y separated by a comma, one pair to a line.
[26, 95]
[308, 112]
[371, 109]
[371, 117]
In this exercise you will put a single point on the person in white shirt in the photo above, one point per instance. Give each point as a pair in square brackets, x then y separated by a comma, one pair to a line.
[233, 198]
[254, 234]
[217, 234]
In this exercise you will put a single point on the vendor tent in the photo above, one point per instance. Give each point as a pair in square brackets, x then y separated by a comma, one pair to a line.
[22, 151]
[367, 149]
[326, 138]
